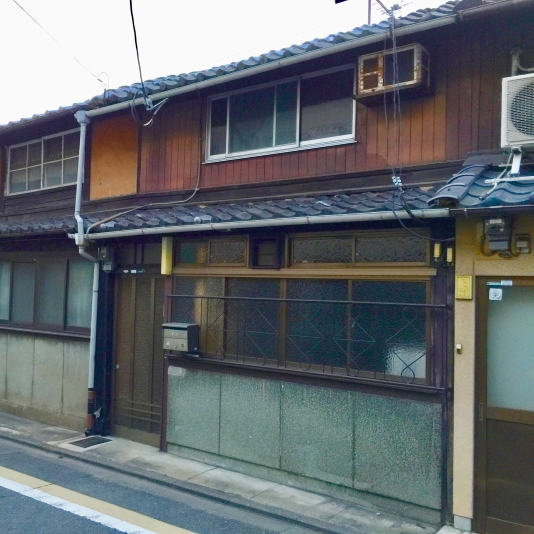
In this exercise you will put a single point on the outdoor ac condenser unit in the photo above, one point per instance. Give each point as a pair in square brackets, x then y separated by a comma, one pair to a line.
[517, 126]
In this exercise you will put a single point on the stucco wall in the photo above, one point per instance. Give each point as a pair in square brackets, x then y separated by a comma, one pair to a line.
[470, 261]
[44, 379]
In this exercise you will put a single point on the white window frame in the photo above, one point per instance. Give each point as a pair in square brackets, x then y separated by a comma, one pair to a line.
[290, 147]
[33, 141]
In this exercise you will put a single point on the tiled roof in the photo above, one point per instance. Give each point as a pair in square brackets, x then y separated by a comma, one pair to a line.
[245, 212]
[474, 187]
[159, 85]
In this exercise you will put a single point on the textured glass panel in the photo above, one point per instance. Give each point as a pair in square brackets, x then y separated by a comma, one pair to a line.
[79, 294]
[18, 157]
[251, 120]
[17, 181]
[218, 126]
[227, 252]
[408, 248]
[34, 154]
[23, 292]
[51, 293]
[71, 145]
[510, 353]
[70, 170]
[34, 178]
[322, 250]
[327, 106]
[194, 252]
[52, 174]
[5, 290]
[53, 149]
[316, 332]
[252, 326]
[286, 113]
[389, 339]
[206, 312]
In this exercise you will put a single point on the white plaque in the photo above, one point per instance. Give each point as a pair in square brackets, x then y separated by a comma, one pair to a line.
[495, 293]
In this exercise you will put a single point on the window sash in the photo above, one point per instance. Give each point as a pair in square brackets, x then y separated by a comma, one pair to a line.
[333, 335]
[68, 164]
[46, 294]
[298, 144]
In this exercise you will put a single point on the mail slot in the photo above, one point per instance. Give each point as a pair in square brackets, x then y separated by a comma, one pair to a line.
[181, 337]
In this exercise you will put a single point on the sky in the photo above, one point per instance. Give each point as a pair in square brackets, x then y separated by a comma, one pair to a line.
[174, 36]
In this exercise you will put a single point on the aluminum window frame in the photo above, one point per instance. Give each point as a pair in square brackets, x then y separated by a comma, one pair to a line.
[26, 167]
[36, 324]
[289, 147]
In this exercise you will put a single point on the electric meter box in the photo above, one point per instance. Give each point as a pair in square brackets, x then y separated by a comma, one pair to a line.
[181, 337]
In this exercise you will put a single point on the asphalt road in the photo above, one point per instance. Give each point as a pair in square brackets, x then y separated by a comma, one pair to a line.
[41, 492]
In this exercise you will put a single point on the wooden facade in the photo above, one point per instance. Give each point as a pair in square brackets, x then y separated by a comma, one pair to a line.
[462, 115]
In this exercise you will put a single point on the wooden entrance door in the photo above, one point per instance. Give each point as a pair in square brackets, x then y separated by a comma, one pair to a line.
[138, 369]
[505, 407]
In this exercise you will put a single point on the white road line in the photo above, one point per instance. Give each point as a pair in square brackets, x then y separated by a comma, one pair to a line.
[76, 509]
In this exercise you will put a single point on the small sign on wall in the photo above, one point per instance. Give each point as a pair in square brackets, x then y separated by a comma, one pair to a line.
[464, 287]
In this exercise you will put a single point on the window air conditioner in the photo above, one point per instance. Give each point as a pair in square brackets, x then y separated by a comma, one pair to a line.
[376, 73]
[517, 113]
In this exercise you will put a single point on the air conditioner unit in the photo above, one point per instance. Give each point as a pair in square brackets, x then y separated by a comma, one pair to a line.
[517, 113]
[376, 73]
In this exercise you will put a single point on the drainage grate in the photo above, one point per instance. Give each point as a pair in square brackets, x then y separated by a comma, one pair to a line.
[89, 442]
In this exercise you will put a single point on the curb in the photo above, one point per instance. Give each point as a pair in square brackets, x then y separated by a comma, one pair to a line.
[187, 487]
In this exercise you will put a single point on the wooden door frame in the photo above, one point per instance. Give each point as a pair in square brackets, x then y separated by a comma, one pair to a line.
[480, 408]
[132, 433]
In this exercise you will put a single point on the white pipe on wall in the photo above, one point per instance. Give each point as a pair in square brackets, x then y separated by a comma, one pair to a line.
[81, 241]
[315, 219]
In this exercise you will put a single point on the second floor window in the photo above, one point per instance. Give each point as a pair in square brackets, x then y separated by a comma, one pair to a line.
[301, 112]
[48, 162]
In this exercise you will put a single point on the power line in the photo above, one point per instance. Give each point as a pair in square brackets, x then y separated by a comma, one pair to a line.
[64, 48]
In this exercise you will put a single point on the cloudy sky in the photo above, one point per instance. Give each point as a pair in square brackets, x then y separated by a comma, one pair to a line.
[175, 36]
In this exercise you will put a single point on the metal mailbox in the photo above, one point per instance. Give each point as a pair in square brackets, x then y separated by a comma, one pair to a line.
[181, 337]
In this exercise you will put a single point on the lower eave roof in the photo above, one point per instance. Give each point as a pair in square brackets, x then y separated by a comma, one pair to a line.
[247, 213]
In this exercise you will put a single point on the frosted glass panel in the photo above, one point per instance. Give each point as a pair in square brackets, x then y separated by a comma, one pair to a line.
[23, 292]
[51, 293]
[511, 349]
[5, 289]
[79, 294]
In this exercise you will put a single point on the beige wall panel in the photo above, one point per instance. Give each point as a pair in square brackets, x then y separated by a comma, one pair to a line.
[114, 158]
[75, 374]
[20, 368]
[48, 374]
[3, 364]
[470, 261]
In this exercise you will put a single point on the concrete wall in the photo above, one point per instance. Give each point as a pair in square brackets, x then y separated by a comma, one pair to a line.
[44, 379]
[470, 261]
[379, 445]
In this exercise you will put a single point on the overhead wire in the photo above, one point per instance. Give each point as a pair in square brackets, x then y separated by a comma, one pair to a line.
[149, 106]
[97, 76]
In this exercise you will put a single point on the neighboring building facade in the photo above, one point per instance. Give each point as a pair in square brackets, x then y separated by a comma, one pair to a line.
[259, 205]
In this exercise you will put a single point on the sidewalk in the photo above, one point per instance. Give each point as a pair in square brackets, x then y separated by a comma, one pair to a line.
[314, 511]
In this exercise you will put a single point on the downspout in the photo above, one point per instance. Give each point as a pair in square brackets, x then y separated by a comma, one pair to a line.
[82, 242]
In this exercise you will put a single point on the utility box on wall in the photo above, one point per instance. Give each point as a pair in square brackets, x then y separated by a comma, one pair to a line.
[182, 337]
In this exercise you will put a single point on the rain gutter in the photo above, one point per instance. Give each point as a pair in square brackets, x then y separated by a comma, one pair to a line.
[268, 223]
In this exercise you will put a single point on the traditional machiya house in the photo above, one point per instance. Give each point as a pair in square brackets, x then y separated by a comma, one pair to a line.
[234, 276]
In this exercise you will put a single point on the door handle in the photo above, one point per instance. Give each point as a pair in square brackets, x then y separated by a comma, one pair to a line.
[481, 412]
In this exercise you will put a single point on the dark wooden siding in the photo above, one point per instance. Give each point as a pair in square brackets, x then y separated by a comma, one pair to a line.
[463, 115]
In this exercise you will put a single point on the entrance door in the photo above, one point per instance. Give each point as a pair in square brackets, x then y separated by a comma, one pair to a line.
[505, 403]
[138, 379]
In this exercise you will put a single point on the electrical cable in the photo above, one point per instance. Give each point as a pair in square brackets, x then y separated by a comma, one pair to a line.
[441, 240]
[145, 98]
[65, 49]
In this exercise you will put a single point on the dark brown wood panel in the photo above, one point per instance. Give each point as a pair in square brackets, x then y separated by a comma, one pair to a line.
[461, 115]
